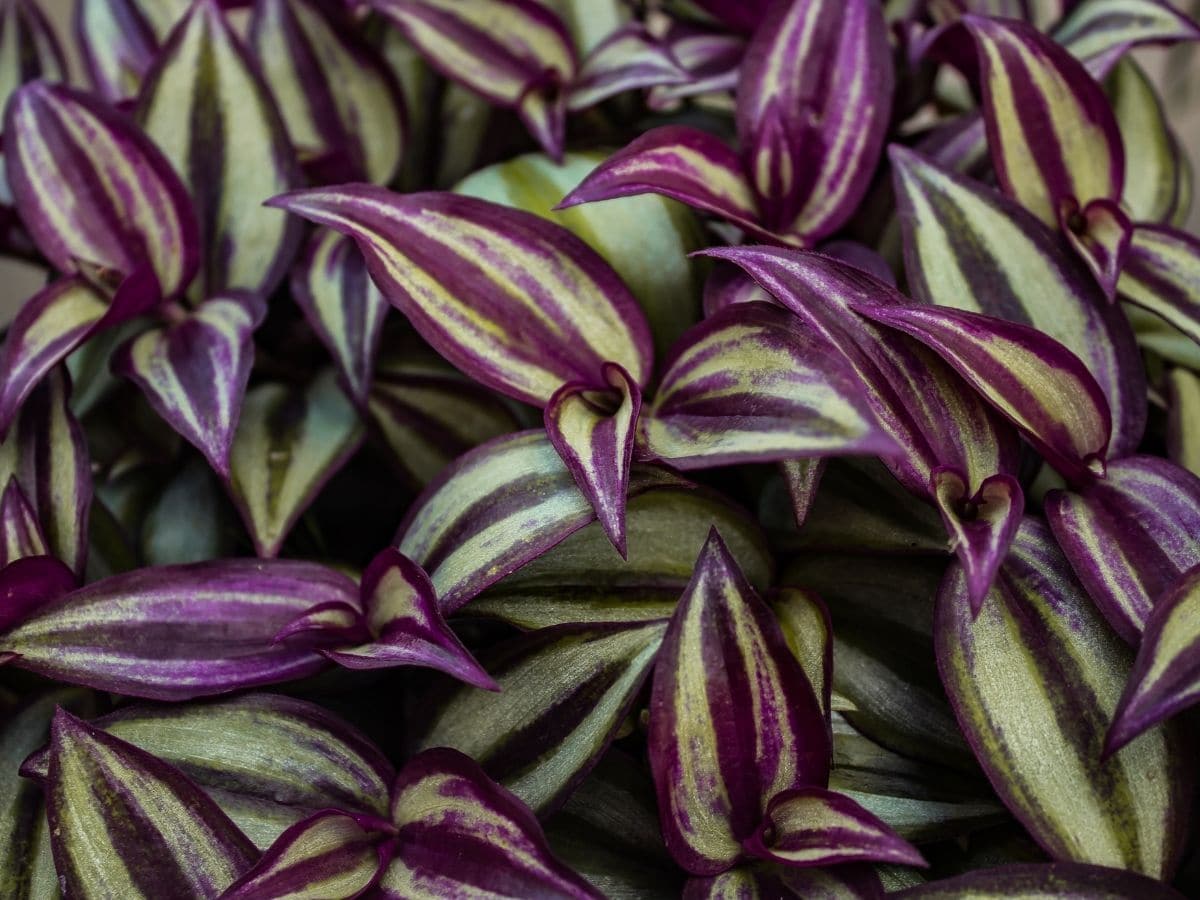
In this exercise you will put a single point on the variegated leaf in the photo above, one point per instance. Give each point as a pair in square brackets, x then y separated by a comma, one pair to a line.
[203, 94]
[340, 102]
[593, 432]
[753, 383]
[1162, 275]
[194, 371]
[584, 580]
[464, 835]
[175, 632]
[1031, 379]
[46, 452]
[330, 854]
[120, 39]
[733, 718]
[812, 826]
[1034, 681]
[125, 824]
[342, 305]
[96, 195]
[516, 302]
[406, 625]
[1165, 677]
[814, 102]
[711, 58]
[268, 761]
[20, 532]
[969, 247]
[29, 50]
[586, 679]
[515, 53]
[495, 509]
[685, 164]
[1183, 435]
[630, 58]
[1101, 31]
[1129, 536]
[289, 442]
[804, 620]
[1044, 881]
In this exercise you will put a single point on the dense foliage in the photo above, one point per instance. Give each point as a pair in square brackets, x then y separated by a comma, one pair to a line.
[729, 448]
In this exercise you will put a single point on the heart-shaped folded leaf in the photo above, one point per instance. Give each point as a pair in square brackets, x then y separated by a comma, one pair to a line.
[46, 451]
[289, 442]
[402, 614]
[20, 532]
[1031, 379]
[733, 718]
[330, 854]
[1162, 275]
[588, 677]
[584, 580]
[429, 414]
[1129, 536]
[1156, 189]
[752, 383]
[980, 527]
[460, 834]
[1102, 31]
[194, 371]
[125, 824]
[685, 164]
[762, 880]
[268, 761]
[342, 106]
[342, 305]
[593, 432]
[94, 192]
[812, 826]
[1099, 233]
[1166, 674]
[202, 93]
[899, 376]
[969, 247]
[515, 301]
[1034, 681]
[174, 632]
[1044, 881]
[495, 509]
[119, 41]
[813, 106]
[515, 53]
[631, 58]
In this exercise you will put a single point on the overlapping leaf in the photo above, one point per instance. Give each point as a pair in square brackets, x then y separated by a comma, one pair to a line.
[120, 39]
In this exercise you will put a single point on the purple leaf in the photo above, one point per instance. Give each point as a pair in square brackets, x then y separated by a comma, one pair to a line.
[194, 371]
[28, 584]
[46, 451]
[203, 94]
[406, 625]
[329, 854]
[119, 40]
[1102, 31]
[682, 163]
[1063, 880]
[1129, 536]
[175, 632]
[742, 15]
[94, 191]
[515, 53]
[812, 826]
[124, 823]
[29, 48]
[733, 718]
[593, 432]
[515, 301]
[342, 106]
[969, 247]
[752, 383]
[1166, 674]
[1162, 275]
[712, 60]
[981, 527]
[814, 101]
[631, 58]
[342, 305]
[20, 531]
[1034, 681]
[1099, 233]
[1032, 380]
[462, 834]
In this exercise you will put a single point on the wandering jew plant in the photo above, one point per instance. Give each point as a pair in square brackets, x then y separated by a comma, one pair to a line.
[597, 448]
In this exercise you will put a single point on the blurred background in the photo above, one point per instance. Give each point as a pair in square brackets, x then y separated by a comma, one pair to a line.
[1176, 71]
